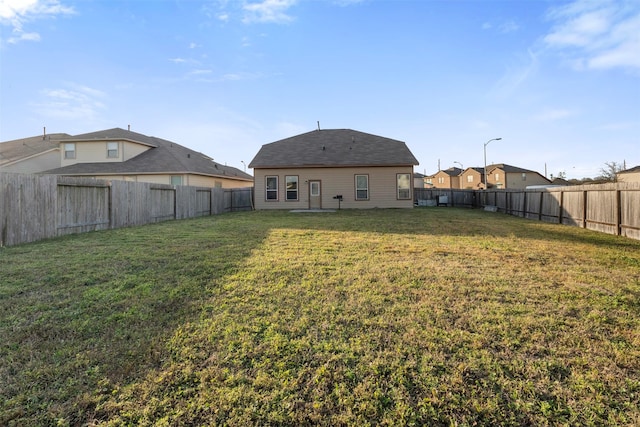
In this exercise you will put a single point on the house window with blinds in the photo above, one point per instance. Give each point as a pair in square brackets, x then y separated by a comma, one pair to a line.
[404, 186]
[112, 150]
[362, 187]
[70, 151]
[271, 191]
[292, 187]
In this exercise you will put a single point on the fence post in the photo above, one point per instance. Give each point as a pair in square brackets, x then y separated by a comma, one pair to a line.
[560, 207]
[540, 206]
[584, 209]
[618, 213]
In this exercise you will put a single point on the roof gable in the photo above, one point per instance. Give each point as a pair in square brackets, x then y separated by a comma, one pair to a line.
[333, 147]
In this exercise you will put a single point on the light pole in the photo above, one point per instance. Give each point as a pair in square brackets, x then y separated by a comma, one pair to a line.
[461, 167]
[486, 182]
[244, 164]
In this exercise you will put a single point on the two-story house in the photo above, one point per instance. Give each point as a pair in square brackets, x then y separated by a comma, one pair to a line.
[130, 156]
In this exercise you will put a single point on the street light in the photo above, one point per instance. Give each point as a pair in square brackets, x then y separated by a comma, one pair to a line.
[461, 167]
[244, 164]
[486, 182]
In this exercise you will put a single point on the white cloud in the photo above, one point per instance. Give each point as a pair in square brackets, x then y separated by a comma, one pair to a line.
[516, 76]
[268, 11]
[509, 27]
[597, 34]
[76, 102]
[16, 13]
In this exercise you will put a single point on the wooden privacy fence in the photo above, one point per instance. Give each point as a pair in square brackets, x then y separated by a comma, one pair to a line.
[35, 207]
[608, 208]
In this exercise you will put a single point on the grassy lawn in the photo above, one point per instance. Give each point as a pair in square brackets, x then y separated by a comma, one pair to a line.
[384, 317]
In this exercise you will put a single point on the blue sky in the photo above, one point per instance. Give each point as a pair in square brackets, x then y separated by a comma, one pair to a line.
[558, 81]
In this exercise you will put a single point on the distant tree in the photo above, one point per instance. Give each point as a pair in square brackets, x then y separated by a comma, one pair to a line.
[561, 175]
[610, 171]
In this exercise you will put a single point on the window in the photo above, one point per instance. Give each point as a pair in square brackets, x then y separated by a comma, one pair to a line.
[362, 187]
[404, 186]
[429, 181]
[112, 150]
[70, 151]
[524, 176]
[176, 179]
[441, 180]
[469, 178]
[292, 187]
[315, 189]
[497, 177]
[272, 188]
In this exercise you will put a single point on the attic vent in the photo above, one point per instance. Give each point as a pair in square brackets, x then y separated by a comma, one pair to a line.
[189, 155]
[323, 148]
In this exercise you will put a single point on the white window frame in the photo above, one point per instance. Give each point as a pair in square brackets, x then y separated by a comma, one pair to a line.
[358, 189]
[403, 186]
[270, 191]
[469, 178]
[175, 179]
[112, 150]
[70, 150]
[291, 188]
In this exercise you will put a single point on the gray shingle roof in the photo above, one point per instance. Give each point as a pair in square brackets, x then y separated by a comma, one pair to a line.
[17, 149]
[333, 147]
[508, 168]
[164, 157]
[631, 170]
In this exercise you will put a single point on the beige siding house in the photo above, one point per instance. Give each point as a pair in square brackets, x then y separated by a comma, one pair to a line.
[310, 171]
[447, 178]
[512, 177]
[31, 155]
[629, 175]
[472, 179]
[124, 155]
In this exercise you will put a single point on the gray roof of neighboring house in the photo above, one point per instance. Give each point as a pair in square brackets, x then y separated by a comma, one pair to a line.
[18, 149]
[333, 148]
[635, 169]
[453, 171]
[508, 168]
[164, 157]
[560, 181]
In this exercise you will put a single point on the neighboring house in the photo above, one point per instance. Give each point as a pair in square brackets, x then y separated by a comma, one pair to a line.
[428, 181]
[419, 180]
[472, 178]
[124, 155]
[560, 182]
[31, 155]
[629, 175]
[310, 170]
[502, 176]
[447, 178]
